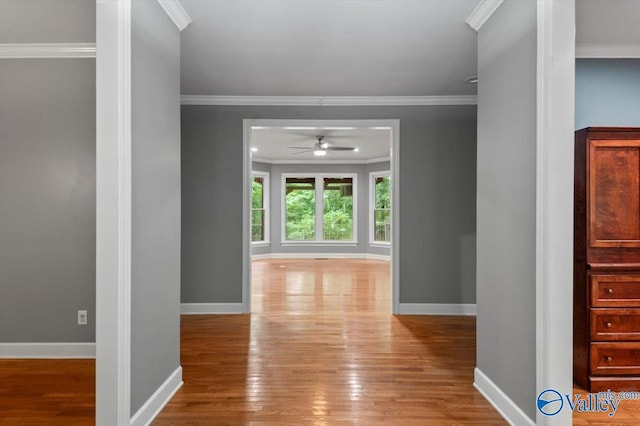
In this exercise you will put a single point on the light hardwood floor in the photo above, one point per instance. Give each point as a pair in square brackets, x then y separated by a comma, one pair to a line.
[321, 348]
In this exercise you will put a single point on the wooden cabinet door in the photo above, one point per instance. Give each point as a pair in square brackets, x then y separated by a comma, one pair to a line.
[614, 193]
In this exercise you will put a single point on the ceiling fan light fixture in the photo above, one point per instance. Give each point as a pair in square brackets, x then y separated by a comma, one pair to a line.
[324, 145]
[472, 79]
[319, 152]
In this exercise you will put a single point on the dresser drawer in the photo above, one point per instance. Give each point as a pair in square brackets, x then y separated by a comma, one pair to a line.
[621, 358]
[615, 290]
[615, 324]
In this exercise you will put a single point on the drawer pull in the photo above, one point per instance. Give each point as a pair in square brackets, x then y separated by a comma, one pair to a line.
[609, 290]
[608, 358]
[608, 324]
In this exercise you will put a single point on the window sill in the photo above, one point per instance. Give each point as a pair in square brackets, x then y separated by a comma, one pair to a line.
[319, 243]
[260, 244]
[380, 244]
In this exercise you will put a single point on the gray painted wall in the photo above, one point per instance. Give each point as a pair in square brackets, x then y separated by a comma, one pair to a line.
[47, 21]
[155, 287]
[437, 180]
[607, 92]
[506, 221]
[47, 181]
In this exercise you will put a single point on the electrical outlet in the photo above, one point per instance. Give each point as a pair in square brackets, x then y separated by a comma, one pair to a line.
[82, 317]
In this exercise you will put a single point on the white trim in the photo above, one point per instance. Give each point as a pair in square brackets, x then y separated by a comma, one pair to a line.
[211, 308]
[260, 244]
[113, 207]
[369, 256]
[150, 410]
[246, 216]
[500, 401]
[393, 124]
[607, 51]
[380, 244]
[48, 350]
[176, 12]
[328, 243]
[436, 309]
[261, 256]
[372, 204]
[47, 50]
[482, 13]
[328, 100]
[319, 188]
[395, 216]
[266, 195]
[321, 161]
[554, 200]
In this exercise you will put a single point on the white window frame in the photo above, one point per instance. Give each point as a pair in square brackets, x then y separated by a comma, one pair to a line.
[265, 206]
[372, 206]
[319, 231]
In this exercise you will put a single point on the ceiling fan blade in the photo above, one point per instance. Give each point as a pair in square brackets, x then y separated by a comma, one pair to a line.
[340, 148]
[301, 147]
[302, 152]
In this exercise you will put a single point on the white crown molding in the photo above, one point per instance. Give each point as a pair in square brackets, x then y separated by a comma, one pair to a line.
[47, 50]
[482, 12]
[329, 100]
[323, 161]
[176, 12]
[607, 51]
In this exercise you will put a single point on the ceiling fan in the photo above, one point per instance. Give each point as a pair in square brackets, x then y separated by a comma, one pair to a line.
[321, 148]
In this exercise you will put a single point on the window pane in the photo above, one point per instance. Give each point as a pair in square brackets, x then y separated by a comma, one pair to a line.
[300, 206]
[382, 225]
[257, 200]
[257, 225]
[383, 192]
[338, 209]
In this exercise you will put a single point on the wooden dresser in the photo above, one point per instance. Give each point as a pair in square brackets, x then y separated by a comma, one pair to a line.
[606, 271]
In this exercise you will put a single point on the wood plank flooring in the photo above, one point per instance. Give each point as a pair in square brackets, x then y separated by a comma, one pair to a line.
[47, 392]
[321, 348]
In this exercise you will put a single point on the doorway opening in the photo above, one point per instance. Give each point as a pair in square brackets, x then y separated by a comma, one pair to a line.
[309, 203]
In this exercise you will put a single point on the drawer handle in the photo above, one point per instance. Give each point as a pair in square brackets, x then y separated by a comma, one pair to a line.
[609, 290]
[608, 324]
[608, 358]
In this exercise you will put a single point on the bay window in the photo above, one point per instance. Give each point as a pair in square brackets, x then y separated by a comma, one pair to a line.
[319, 208]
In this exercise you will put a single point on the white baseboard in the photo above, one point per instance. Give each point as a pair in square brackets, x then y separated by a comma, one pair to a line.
[320, 255]
[500, 401]
[437, 309]
[148, 412]
[261, 256]
[48, 350]
[210, 308]
[372, 256]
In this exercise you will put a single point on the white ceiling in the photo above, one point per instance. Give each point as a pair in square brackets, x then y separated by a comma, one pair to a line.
[608, 23]
[352, 48]
[273, 144]
[328, 48]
